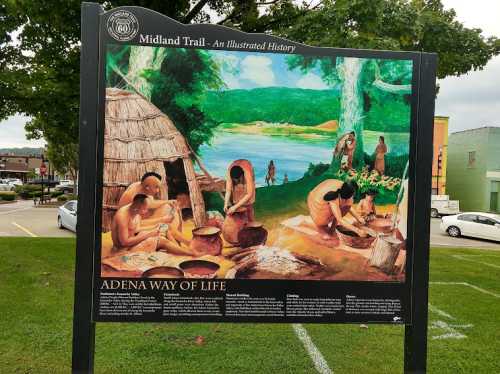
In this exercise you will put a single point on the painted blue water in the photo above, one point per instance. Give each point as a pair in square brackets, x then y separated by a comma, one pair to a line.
[291, 155]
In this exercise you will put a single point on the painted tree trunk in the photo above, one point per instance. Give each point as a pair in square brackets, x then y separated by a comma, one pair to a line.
[351, 105]
[142, 58]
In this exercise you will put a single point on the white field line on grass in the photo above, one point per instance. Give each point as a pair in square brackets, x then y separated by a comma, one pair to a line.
[317, 358]
[25, 230]
[450, 330]
[432, 308]
[463, 258]
[482, 290]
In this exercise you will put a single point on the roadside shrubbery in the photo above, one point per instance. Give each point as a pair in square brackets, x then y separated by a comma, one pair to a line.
[28, 191]
[8, 196]
[66, 197]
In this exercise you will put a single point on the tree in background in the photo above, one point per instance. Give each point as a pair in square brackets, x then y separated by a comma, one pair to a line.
[39, 76]
[64, 158]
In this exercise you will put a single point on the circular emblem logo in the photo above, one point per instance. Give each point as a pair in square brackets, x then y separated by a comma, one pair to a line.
[122, 25]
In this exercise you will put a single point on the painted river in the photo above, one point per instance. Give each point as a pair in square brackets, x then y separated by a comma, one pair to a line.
[291, 155]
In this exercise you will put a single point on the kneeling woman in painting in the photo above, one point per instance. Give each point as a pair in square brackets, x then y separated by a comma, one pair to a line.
[240, 188]
[329, 202]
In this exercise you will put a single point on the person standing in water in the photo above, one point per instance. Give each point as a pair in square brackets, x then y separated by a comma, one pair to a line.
[285, 179]
[329, 202]
[271, 173]
[240, 188]
[380, 152]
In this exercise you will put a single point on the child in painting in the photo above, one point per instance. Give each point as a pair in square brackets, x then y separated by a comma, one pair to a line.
[240, 188]
[380, 152]
[131, 234]
[366, 207]
[329, 202]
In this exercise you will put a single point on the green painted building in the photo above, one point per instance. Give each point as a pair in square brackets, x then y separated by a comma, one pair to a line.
[473, 175]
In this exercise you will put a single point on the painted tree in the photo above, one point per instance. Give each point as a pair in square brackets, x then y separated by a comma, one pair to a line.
[176, 80]
[140, 60]
[357, 80]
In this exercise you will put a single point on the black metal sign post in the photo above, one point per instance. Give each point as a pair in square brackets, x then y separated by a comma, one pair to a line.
[415, 356]
[83, 326]
[139, 26]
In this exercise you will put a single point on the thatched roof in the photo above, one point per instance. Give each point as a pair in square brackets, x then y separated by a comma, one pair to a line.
[144, 132]
[139, 138]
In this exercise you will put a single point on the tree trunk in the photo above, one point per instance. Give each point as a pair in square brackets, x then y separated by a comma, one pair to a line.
[351, 104]
[141, 59]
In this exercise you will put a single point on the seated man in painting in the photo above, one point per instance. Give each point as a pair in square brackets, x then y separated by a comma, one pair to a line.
[329, 202]
[160, 210]
[240, 188]
[130, 233]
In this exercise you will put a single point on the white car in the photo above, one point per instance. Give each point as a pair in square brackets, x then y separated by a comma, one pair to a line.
[6, 186]
[66, 215]
[15, 181]
[66, 186]
[474, 224]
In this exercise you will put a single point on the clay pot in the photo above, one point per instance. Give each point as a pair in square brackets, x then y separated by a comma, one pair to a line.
[199, 268]
[351, 239]
[207, 240]
[233, 224]
[252, 234]
[163, 272]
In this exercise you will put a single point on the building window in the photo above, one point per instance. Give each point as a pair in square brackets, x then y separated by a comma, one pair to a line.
[472, 159]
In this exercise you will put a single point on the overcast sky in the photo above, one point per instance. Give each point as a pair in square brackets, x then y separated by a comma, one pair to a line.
[472, 100]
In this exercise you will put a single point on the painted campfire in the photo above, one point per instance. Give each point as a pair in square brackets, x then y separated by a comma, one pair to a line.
[139, 138]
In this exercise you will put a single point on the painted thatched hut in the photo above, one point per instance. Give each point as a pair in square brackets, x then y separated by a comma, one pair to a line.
[139, 138]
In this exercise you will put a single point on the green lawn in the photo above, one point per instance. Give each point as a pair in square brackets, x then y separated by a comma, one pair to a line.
[36, 291]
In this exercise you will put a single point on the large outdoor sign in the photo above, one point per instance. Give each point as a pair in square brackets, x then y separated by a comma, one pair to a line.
[247, 178]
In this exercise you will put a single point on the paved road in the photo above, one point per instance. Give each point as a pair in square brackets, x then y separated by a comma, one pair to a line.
[23, 219]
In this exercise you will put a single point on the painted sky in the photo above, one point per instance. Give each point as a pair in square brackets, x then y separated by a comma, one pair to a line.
[246, 70]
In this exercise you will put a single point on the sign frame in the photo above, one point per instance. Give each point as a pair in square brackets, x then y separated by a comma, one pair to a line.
[90, 181]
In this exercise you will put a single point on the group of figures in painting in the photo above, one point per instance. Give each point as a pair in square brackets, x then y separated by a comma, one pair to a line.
[345, 219]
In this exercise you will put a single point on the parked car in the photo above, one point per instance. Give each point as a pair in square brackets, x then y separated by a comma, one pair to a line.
[473, 224]
[442, 205]
[66, 215]
[6, 186]
[15, 181]
[66, 186]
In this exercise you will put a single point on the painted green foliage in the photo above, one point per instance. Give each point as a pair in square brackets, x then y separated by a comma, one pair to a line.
[178, 88]
[273, 105]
